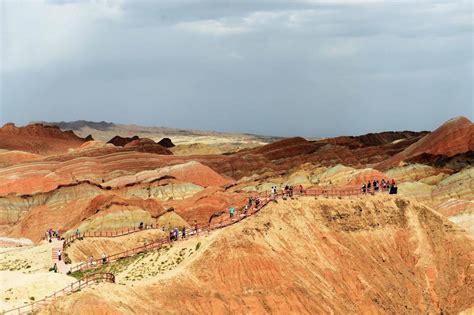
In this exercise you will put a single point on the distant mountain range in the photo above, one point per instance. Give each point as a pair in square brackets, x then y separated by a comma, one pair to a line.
[104, 131]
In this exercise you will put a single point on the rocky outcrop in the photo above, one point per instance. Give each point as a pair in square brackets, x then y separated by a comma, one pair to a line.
[122, 141]
[166, 143]
[456, 136]
[38, 139]
[212, 202]
[192, 172]
[147, 145]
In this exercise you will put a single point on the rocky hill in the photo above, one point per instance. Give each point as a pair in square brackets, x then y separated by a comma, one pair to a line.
[369, 255]
[38, 139]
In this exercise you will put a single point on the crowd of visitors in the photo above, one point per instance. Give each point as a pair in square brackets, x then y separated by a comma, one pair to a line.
[382, 185]
[51, 234]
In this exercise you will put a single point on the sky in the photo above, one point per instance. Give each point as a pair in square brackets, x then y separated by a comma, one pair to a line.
[311, 68]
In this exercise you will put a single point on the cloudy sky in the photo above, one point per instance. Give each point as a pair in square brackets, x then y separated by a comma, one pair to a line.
[309, 67]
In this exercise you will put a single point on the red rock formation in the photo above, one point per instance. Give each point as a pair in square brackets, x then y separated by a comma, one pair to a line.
[364, 256]
[456, 136]
[147, 145]
[71, 214]
[38, 139]
[203, 205]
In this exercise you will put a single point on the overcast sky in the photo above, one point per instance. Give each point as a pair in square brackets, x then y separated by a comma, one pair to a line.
[310, 68]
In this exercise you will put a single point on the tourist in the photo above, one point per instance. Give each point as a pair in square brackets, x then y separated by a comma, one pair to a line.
[59, 254]
[78, 233]
[171, 235]
[140, 226]
[231, 212]
[104, 259]
[363, 188]
[91, 261]
[369, 184]
[55, 268]
[257, 202]
[301, 190]
[183, 232]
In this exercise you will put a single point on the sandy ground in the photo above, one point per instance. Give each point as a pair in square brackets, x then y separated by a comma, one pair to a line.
[24, 275]
[19, 288]
[28, 259]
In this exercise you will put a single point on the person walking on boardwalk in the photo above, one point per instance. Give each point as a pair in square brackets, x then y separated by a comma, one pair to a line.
[59, 254]
[231, 212]
[183, 232]
[104, 259]
[196, 227]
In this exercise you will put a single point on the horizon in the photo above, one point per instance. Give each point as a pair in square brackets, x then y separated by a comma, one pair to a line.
[56, 123]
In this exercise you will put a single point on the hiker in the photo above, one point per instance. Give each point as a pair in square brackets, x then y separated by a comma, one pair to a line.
[183, 232]
[231, 212]
[140, 226]
[301, 190]
[59, 254]
[196, 227]
[364, 188]
[257, 202]
[104, 259]
[78, 233]
[55, 268]
[171, 235]
[369, 184]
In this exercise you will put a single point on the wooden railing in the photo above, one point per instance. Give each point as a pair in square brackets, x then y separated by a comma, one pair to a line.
[73, 287]
[264, 200]
[116, 233]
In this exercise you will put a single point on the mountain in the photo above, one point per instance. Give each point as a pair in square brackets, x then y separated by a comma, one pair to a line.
[38, 138]
[456, 136]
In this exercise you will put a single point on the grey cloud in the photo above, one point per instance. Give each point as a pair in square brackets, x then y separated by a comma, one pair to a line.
[274, 67]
